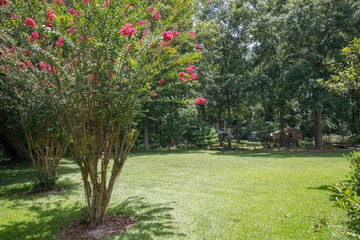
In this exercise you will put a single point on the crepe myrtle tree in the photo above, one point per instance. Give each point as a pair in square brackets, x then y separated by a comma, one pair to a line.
[100, 59]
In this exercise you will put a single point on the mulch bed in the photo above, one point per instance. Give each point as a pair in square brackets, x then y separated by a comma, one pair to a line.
[114, 224]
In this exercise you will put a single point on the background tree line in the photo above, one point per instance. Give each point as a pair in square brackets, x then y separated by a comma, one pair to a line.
[260, 70]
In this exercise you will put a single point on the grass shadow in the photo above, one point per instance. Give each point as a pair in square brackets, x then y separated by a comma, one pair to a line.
[45, 220]
[334, 194]
[152, 220]
[16, 178]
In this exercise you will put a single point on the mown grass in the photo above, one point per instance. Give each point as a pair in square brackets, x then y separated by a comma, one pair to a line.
[193, 195]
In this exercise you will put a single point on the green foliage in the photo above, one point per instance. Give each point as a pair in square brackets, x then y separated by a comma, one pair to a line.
[348, 79]
[348, 193]
[42, 182]
[194, 130]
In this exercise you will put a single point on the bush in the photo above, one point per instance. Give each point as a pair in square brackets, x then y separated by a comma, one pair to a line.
[348, 193]
[42, 182]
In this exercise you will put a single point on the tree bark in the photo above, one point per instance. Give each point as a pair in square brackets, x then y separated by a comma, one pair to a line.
[146, 138]
[228, 121]
[13, 145]
[282, 126]
[173, 142]
[318, 129]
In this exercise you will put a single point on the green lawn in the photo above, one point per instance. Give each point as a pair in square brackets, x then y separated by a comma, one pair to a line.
[193, 195]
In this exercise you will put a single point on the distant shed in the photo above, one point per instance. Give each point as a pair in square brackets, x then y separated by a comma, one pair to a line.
[292, 135]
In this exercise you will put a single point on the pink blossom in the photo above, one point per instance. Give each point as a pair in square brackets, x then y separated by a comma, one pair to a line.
[183, 80]
[194, 76]
[59, 2]
[153, 93]
[34, 87]
[27, 53]
[72, 11]
[197, 46]
[117, 86]
[42, 65]
[30, 22]
[22, 65]
[45, 66]
[140, 41]
[181, 74]
[174, 33]
[3, 2]
[71, 30]
[59, 42]
[161, 81]
[156, 16]
[107, 3]
[167, 36]
[141, 22]
[200, 100]
[127, 30]
[86, 1]
[48, 24]
[192, 34]
[190, 69]
[50, 15]
[34, 37]
[29, 64]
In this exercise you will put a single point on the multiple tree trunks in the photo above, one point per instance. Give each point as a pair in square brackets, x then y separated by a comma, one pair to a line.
[13, 145]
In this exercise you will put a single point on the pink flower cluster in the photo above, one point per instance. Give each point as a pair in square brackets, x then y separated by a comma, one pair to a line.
[72, 11]
[3, 2]
[190, 69]
[156, 16]
[153, 93]
[197, 46]
[45, 66]
[167, 36]
[200, 100]
[127, 30]
[59, 42]
[161, 81]
[34, 37]
[30, 22]
[50, 15]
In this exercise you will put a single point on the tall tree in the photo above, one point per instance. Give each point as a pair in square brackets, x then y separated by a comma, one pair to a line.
[99, 58]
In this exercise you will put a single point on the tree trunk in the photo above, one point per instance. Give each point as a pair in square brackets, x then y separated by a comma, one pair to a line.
[13, 146]
[221, 125]
[228, 122]
[173, 142]
[237, 130]
[282, 126]
[318, 129]
[146, 138]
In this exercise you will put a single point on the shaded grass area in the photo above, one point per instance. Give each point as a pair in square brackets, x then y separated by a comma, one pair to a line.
[192, 195]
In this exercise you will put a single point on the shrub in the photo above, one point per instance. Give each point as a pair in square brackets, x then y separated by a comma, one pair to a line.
[42, 182]
[348, 193]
